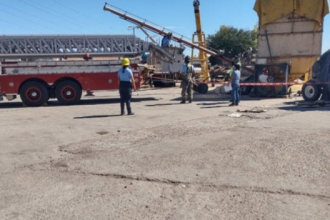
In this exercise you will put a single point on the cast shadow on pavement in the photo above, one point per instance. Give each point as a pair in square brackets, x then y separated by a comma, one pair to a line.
[213, 103]
[91, 101]
[209, 97]
[163, 104]
[216, 106]
[303, 106]
[97, 116]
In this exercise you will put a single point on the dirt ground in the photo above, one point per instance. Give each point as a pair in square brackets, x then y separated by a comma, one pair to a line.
[169, 161]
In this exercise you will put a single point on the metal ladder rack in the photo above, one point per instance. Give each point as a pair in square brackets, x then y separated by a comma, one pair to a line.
[52, 46]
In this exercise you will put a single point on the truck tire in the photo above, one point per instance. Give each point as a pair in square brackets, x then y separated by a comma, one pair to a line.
[202, 88]
[157, 84]
[68, 92]
[34, 94]
[311, 92]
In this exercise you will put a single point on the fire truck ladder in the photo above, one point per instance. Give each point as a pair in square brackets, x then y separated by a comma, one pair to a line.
[36, 46]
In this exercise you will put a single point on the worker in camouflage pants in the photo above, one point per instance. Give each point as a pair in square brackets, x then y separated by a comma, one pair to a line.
[187, 83]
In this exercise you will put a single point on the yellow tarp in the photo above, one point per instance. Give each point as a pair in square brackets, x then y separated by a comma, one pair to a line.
[271, 10]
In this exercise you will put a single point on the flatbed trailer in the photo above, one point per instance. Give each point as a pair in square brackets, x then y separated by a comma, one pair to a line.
[37, 82]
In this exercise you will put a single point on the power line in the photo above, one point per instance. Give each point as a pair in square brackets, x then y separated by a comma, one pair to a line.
[23, 18]
[52, 13]
[51, 10]
[84, 15]
[18, 25]
[25, 12]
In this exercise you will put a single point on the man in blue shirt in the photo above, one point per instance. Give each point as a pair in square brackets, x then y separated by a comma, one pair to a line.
[166, 40]
[234, 82]
[144, 57]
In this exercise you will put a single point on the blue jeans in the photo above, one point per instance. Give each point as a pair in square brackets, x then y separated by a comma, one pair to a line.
[235, 94]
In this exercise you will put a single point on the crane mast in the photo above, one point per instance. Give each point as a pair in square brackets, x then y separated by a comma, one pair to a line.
[199, 39]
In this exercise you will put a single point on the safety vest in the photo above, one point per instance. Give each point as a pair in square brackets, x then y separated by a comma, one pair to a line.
[189, 73]
[232, 69]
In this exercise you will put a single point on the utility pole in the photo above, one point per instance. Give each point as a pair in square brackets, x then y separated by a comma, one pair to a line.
[130, 27]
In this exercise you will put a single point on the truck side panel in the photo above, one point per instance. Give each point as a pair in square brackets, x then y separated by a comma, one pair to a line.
[291, 40]
[10, 84]
[7, 85]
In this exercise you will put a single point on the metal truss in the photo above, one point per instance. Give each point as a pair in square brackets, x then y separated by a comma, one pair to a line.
[39, 46]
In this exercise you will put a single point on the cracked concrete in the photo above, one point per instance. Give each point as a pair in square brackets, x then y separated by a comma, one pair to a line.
[205, 185]
[168, 161]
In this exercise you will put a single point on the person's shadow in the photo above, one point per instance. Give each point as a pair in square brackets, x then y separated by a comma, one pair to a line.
[163, 104]
[96, 116]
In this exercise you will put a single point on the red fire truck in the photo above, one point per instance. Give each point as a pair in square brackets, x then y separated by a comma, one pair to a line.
[37, 82]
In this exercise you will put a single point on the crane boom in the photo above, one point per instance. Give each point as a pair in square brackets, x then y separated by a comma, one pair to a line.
[201, 41]
[124, 15]
[162, 31]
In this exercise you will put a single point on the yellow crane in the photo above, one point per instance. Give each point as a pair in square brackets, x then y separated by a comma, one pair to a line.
[199, 39]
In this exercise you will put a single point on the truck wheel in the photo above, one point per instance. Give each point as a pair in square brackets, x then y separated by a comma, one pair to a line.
[34, 94]
[68, 92]
[311, 92]
[157, 84]
[202, 88]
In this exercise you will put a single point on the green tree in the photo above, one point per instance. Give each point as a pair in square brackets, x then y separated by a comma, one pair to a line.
[232, 40]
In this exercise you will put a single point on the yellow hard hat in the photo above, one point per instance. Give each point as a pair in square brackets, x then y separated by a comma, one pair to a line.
[125, 62]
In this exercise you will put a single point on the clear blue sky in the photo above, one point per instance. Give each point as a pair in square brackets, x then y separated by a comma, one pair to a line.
[30, 17]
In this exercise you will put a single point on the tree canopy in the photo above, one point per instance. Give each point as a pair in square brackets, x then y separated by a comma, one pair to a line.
[232, 40]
